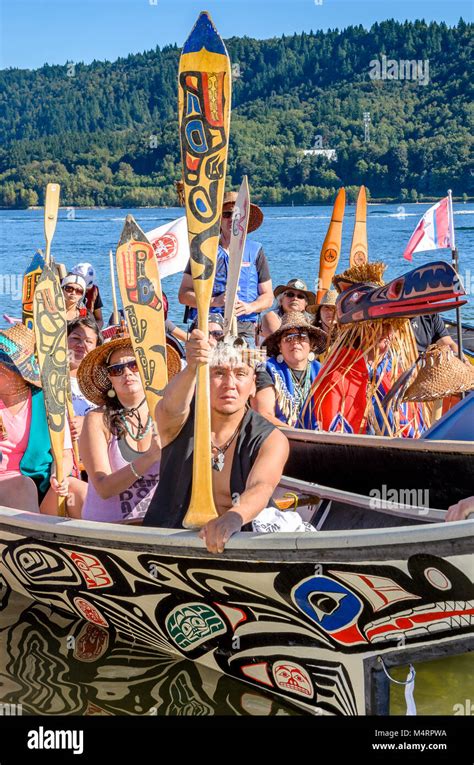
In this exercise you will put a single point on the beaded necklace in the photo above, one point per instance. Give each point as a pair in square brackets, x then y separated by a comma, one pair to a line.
[134, 413]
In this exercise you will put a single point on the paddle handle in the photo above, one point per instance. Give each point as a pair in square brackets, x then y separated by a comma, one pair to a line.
[51, 207]
[201, 507]
[115, 313]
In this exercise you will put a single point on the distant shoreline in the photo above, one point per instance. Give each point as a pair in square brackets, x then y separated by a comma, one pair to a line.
[372, 203]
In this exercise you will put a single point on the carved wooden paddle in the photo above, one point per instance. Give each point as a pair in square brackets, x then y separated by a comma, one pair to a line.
[204, 113]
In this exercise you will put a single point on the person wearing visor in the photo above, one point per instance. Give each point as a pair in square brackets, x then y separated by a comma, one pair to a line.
[74, 290]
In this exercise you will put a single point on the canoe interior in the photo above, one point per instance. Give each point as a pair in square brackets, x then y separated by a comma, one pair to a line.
[437, 478]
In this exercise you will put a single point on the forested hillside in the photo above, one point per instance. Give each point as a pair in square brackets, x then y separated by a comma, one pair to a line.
[108, 131]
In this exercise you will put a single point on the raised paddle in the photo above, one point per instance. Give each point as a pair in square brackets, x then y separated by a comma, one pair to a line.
[140, 288]
[30, 280]
[115, 313]
[359, 247]
[204, 114]
[331, 249]
[51, 207]
[238, 235]
[51, 346]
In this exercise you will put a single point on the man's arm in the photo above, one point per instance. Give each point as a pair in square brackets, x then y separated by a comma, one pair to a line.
[264, 403]
[264, 300]
[173, 409]
[186, 294]
[261, 483]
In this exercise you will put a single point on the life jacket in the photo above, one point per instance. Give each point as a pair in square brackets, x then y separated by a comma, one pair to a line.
[248, 281]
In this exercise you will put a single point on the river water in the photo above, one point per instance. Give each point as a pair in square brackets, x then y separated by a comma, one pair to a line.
[50, 664]
[291, 237]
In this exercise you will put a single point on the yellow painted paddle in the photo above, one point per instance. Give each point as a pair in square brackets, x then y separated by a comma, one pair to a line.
[51, 207]
[204, 115]
[240, 222]
[51, 347]
[331, 248]
[359, 247]
[140, 288]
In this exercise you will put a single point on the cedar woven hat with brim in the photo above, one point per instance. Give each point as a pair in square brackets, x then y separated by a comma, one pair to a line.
[441, 374]
[329, 299]
[17, 352]
[295, 320]
[255, 215]
[296, 284]
[92, 376]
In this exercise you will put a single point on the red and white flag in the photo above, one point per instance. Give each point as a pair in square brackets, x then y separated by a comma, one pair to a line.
[434, 231]
[171, 246]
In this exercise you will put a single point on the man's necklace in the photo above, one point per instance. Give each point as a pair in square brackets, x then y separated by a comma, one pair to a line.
[218, 460]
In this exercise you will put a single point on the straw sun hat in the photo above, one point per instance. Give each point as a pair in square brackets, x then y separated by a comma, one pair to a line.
[329, 299]
[92, 374]
[255, 215]
[295, 320]
[17, 352]
[441, 374]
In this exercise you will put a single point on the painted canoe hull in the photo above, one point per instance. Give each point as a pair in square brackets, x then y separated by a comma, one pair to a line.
[304, 616]
[365, 464]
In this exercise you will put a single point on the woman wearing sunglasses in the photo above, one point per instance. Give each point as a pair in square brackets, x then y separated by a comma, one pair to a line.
[119, 448]
[74, 289]
[291, 297]
[284, 384]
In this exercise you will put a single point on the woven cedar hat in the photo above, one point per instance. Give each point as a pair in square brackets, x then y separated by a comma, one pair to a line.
[17, 352]
[255, 215]
[295, 320]
[365, 273]
[296, 284]
[441, 374]
[92, 374]
[329, 299]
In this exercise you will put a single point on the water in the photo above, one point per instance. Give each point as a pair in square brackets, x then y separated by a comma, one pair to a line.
[291, 237]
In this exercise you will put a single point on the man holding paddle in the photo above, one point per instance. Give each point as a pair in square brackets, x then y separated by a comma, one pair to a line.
[248, 452]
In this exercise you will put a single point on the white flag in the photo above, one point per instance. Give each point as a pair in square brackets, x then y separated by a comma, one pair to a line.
[171, 246]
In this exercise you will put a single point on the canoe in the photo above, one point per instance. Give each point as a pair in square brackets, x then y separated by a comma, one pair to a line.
[106, 675]
[438, 471]
[307, 617]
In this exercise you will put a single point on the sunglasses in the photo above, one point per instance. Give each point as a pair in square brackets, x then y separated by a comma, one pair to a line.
[298, 295]
[116, 370]
[217, 334]
[73, 290]
[302, 337]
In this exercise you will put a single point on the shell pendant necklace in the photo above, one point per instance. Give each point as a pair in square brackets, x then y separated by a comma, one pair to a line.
[134, 413]
[218, 461]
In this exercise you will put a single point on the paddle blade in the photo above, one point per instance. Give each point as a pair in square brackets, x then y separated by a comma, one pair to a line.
[30, 280]
[359, 247]
[142, 298]
[51, 347]
[331, 248]
[204, 95]
[238, 236]
[51, 207]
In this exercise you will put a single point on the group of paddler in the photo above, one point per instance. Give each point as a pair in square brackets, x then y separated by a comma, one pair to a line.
[123, 430]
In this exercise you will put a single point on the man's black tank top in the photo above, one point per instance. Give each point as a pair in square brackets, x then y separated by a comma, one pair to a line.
[173, 493]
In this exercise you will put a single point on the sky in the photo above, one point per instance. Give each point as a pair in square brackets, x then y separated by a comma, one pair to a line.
[35, 32]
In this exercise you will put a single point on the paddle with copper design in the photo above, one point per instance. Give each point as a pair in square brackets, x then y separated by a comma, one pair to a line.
[204, 95]
[359, 247]
[142, 298]
[331, 248]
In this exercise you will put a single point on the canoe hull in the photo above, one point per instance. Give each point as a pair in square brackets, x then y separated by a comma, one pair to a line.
[302, 616]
